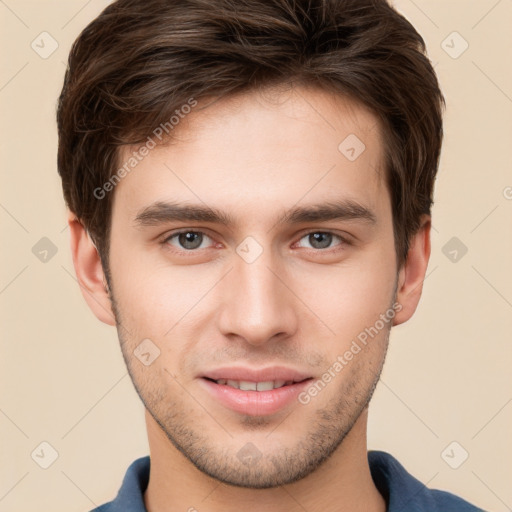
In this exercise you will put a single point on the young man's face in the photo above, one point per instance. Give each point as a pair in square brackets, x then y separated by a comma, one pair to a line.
[262, 291]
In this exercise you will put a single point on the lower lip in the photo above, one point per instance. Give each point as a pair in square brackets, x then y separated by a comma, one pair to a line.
[254, 403]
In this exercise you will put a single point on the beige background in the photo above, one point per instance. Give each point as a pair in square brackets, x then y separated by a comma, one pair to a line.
[447, 377]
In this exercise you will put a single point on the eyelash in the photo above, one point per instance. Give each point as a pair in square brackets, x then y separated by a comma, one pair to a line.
[344, 241]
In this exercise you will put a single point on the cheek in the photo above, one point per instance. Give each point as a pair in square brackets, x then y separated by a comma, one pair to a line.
[157, 299]
[350, 296]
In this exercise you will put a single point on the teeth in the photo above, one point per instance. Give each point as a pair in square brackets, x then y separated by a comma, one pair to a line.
[255, 386]
[248, 386]
[264, 386]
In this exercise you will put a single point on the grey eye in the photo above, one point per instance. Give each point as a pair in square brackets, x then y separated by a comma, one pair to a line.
[188, 240]
[320, 239]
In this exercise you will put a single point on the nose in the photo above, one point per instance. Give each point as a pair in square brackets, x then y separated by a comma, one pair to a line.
[257, 304]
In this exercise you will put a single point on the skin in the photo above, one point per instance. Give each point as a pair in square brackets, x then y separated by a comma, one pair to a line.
[299, 304]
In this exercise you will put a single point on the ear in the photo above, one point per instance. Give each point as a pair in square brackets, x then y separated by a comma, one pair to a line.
[89, 271]
[412, 273]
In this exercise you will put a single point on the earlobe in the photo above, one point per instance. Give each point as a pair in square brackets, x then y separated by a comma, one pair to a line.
[89, 271]
[412, 273]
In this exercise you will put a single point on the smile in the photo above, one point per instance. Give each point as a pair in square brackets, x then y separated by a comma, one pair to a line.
[268, 392]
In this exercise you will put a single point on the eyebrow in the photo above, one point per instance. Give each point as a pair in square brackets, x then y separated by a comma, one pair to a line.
[161, 212]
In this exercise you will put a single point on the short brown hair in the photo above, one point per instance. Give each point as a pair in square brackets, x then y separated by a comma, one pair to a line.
[140, 60]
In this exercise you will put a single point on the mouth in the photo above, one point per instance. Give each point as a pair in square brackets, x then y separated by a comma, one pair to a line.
[246, 385]
[255, 392]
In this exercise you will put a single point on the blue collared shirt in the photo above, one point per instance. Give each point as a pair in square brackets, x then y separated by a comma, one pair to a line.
[402, 492]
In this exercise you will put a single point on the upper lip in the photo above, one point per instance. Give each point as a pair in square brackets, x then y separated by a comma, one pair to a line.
[244, 373]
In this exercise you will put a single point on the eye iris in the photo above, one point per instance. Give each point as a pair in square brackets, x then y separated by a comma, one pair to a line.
[325, 239]
[189, 239]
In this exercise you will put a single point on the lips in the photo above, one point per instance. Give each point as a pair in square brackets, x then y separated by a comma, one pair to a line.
[270, 374]
[254, 392]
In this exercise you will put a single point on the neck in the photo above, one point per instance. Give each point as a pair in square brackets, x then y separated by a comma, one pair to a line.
[342, 483]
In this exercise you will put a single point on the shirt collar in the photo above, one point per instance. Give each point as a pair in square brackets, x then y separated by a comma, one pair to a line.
[400, 490]
[130, 497]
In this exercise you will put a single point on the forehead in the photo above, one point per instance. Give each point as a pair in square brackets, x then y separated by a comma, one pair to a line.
[263, 149]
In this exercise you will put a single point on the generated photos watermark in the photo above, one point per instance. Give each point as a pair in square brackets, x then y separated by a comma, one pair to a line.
[160, 132]
[356, 346]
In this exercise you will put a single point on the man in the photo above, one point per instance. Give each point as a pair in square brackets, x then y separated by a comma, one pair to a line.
[249, 186]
